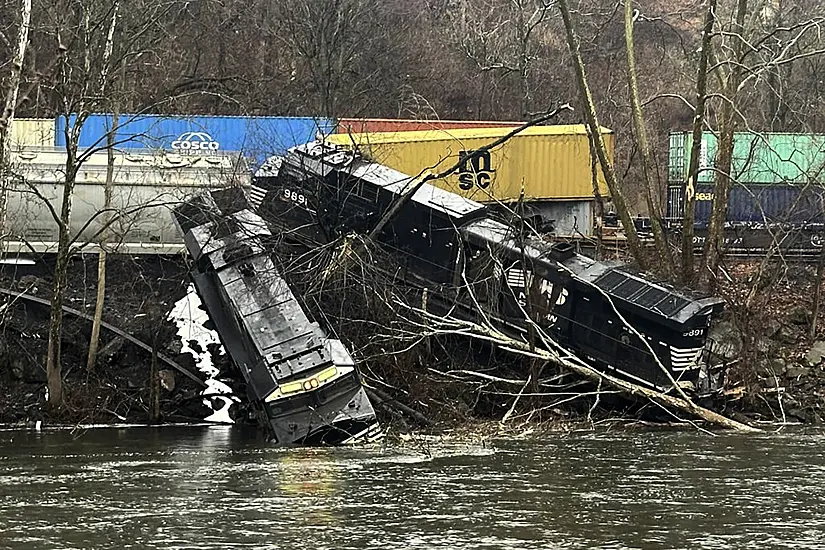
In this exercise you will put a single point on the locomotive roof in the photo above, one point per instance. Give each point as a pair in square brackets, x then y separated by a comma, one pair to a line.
[270, 167]
[428, 195]
[615, 279]
[678, 305]
[321, 159]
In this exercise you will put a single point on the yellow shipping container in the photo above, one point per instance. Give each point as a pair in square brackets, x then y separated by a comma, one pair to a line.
[32, 131]
[551, 162]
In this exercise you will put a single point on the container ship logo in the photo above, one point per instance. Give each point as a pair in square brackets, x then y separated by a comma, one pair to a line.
[195, 141]
[475, 170]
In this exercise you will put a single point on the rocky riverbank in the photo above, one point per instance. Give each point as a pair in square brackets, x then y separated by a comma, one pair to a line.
[777, 367]
[140, 294]
[776, 371]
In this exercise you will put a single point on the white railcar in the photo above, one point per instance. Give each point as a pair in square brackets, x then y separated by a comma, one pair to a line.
[146, 186]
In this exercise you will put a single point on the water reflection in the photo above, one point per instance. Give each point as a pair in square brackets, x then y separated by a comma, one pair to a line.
[313, 479]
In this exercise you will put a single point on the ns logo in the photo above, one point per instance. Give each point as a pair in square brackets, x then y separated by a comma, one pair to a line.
[474, 170]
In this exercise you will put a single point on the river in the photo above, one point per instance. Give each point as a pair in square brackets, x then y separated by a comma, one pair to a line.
[223, 487]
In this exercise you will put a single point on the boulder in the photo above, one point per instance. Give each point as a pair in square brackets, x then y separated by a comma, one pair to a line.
[771, 367]
[30, 284]
[174, 346]
[107, 352]
[788, 334]
[167, 380]
[727, 339]
[22, 366]
[764, 346]
[799, 315]
[816, 354]
[801, 415]
[771, 328]
[25, 370]
[796, 371]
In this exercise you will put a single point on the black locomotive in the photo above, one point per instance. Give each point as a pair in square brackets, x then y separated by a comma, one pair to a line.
[605, 312]
[303, 384]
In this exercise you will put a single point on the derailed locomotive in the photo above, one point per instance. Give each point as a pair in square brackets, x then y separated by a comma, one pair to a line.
[619, 320]
[303, 384]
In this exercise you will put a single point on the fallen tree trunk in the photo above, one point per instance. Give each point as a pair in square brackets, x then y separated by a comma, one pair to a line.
[628, 387]
[383, 398]
[568, 360]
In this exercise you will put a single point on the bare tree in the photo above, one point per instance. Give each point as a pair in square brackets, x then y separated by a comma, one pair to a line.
[83, 82]
[724, 160]
[10, 104]
[652, 191]
[689, 194]
[634, 244]
[327, 40]
[102, 252]
[503, 39]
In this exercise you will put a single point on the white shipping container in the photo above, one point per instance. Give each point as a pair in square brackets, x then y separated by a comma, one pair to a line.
[37, 132]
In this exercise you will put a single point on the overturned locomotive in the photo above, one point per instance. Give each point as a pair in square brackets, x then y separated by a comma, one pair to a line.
[303, 385]
[619, 320]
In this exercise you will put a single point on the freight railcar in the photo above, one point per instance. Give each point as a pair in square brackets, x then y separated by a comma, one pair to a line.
[621, 321]
[256, 137]
[778, 189]
[146, 185]
[303, 383]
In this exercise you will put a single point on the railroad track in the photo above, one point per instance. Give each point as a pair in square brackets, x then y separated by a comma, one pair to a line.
[617, 243]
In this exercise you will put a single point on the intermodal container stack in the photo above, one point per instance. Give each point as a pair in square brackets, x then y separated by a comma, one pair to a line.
[779, 179]
[547, 167]
[256, 137]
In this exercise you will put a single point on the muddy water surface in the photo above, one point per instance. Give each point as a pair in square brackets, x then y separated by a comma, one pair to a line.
[223, 487]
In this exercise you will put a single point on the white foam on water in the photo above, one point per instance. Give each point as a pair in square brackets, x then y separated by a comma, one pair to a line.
[190, 318]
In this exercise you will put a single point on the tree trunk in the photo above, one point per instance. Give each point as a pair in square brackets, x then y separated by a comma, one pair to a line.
[7, 116]
[820, 271]
[634, 245]
[716, 228]
[652, 192]
[724, 178]
[101, 259]
[154, 384]
[10, 106]
[92, 88]
[689, 188]
[54, 376]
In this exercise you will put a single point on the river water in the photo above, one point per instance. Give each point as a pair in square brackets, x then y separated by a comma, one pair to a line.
[223, 487]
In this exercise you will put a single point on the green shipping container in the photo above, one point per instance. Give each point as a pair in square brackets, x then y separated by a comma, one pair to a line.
[758, 158]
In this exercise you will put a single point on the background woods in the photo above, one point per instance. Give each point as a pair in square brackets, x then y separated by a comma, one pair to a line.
[477, 59]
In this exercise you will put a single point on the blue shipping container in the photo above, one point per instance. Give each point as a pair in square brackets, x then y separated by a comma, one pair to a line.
[755, 205]
[256, 137]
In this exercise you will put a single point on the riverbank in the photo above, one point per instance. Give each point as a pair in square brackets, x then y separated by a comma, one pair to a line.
[777, 367]
[775, 373]
[140, 293]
